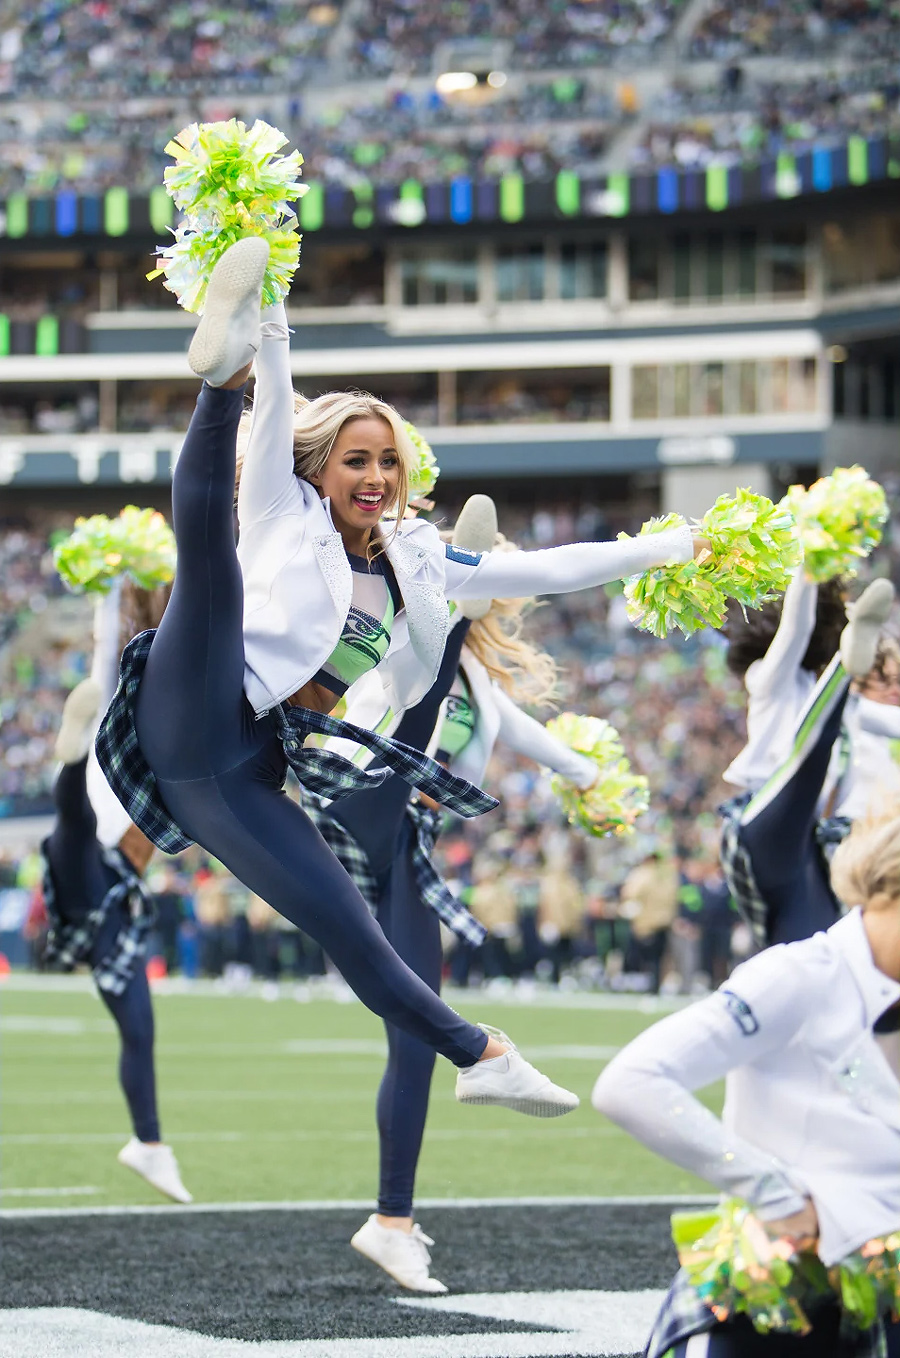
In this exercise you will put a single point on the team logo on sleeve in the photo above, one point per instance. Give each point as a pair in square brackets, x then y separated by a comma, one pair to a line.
[741, 1012]
[461, 555]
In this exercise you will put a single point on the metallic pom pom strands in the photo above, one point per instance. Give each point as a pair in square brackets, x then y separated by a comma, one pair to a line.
[753, 549]
[423, 477]
[230, 182]
[839, 521]
[137, 543]
[612, 804]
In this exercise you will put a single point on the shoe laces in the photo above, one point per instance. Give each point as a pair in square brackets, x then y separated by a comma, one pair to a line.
[422, 1242]
[275, 330]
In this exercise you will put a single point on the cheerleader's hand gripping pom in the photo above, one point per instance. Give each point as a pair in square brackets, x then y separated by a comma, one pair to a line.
[752, 551]
[230, 182]
[839, 521]
[612, 804]
[137, 543]
[423, 477]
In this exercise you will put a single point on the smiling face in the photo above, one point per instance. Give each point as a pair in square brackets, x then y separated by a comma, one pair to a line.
[361, 479]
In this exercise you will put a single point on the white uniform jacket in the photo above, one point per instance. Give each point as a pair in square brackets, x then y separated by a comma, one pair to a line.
[497, 718]
[298, 581]
[812, 1105]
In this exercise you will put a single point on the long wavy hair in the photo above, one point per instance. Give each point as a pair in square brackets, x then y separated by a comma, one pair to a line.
[317, 424]
[525, 672]
[865, 868]
[140, 609]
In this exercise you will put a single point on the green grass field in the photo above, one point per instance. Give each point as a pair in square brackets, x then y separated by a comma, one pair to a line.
[274, 1102]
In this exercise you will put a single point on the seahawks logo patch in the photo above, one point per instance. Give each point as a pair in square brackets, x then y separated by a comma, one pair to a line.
[462, 555]
[741, 1012]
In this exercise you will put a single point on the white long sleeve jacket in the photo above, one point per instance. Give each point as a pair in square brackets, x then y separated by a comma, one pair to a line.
[112, 818]
[298, 581]
[812, 1104]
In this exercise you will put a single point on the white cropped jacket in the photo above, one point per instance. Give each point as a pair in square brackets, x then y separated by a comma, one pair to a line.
[298, 581]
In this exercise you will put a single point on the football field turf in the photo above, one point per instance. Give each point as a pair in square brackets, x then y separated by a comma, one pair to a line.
[270, 1108]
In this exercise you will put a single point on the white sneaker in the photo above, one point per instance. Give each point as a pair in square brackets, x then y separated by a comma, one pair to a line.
[73, 740]
[509, 1081]
[866, 617]
[227, 337]
[156, 1164]
[476, 531]
[402, 1254]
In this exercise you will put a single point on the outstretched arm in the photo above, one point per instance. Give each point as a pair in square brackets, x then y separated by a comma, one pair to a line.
[105, 663]
[561, 570]
[788, 646]
[530, 738]
[647, 1088]
[268, 485]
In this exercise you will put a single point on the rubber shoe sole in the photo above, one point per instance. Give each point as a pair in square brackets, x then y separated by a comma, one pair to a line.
[227, 337]
[476, 531]
[867, 616]
[488, 1084]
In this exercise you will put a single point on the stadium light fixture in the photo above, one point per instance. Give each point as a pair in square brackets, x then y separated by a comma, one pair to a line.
[454, 82]
[497, 79]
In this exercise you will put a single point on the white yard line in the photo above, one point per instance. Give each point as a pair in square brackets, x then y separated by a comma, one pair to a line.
[81, 1190]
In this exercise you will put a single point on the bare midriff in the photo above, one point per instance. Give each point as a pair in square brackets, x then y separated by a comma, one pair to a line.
[314, 696]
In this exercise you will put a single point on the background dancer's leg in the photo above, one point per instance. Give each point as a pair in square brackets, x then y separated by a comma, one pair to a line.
[777, 827]
[80, 876]
[133, 1015]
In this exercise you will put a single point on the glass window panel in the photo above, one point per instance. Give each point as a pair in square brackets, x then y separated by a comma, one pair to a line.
[645, 393]
[681, 390]
[715, 266]
[582, 270]
[643, 270]
[746, 383]
[746, 264]
[431, 279]
[520, 273]
[780, 390]
[713, 389]
[681, 268]
[787, 258]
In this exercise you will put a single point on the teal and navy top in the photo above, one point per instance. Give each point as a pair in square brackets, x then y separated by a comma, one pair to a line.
[458, 725]
[367, 632]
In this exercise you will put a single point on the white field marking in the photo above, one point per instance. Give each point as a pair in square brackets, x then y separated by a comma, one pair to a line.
[83, 1190]
[587, 1325]
[519, 1133]
[59, 1027]
[320, 1046]
[362, 1205]
[28, 982]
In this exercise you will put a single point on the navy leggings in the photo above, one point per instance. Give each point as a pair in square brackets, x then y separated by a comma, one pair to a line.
[220, 772]
[82, 879]
[378, 822]
[778, 823]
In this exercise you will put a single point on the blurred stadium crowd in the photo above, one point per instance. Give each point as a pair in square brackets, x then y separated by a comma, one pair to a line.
[584, 89]
[645, 912]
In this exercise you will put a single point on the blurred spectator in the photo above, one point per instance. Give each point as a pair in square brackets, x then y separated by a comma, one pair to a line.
[649, 901]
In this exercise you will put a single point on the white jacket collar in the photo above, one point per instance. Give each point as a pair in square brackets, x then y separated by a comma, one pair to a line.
[878, 991]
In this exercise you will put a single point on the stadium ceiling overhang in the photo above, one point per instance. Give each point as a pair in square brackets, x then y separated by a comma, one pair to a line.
[510, 199]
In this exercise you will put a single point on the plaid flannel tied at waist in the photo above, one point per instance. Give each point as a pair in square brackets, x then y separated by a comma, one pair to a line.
[683, 1314]
[322, 771]
[432, 888]
[70, 943]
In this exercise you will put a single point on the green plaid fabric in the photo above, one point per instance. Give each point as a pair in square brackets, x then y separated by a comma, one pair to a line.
[69, 944]
[321, 771]
[432, 888]
[683, 1314]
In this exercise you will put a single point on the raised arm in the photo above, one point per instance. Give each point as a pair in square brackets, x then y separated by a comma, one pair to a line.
[647, 1088]
[878, 719]
[528, 737]
[268, 485]
[561, 570]
[788, 646]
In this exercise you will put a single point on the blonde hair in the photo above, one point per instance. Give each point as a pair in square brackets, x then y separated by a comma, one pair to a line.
[526, 673]
[317, 424]
[865, 868]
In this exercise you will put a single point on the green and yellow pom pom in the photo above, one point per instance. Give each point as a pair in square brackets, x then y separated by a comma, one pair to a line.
[230, 183]
[753, 551]
[839, 520]
[423, 477]
[137, 543]
[618, 797]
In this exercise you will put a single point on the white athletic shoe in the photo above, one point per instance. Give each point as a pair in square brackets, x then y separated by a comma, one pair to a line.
[227, 337]
[156, 1164]
[404, 1255]
[866, 617]
[509, 1081]
[476, 531]
[73, 740]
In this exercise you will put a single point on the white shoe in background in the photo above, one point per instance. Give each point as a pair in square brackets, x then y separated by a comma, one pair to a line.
[866, 617]
[402, 1254]
[73, 740]
[156, 1164]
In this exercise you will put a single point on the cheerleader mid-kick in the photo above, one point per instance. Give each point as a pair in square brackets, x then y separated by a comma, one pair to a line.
[810, 1135]
[98, 907]
[211, 708]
